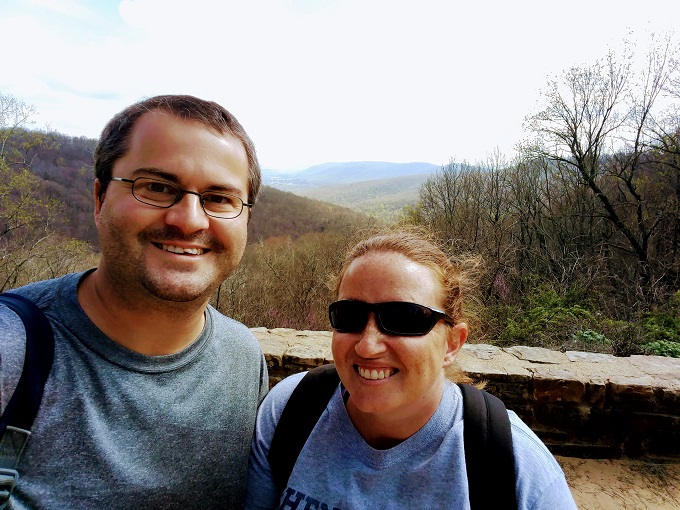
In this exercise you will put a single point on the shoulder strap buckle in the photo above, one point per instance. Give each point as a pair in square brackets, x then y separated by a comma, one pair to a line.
[12, 444]
[8, 479]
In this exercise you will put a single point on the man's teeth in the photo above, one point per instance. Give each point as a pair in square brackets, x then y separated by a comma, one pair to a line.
[177, 249]
[374, 374]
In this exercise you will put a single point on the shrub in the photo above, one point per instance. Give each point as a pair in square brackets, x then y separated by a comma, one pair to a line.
[590, 337]
[663, 348]
[626, 337]
[661, 325]
[661, 329]
[546, 319]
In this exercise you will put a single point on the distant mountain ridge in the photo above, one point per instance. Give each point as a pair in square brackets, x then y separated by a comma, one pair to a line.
[376, 188]
[345, 173]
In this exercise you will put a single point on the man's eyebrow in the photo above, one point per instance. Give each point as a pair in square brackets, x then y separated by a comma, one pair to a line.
[157, 173]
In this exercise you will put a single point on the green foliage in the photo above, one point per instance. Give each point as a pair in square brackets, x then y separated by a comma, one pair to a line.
[32, 246]
[625, 336]
[663, 324]
[590, 337]
[663, 348]
[546, 319]
[661, 329]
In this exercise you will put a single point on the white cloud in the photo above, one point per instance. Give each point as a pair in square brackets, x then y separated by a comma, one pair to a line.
[313, 80]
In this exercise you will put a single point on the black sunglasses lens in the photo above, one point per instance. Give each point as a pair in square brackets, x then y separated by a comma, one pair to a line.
[408, 319]
[348, 316]
[395, 318]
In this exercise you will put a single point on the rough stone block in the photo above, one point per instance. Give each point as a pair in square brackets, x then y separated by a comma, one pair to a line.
[537, 354]
[556, 385]
[563, 417]
[585, 404]
[525, 412]
[668, 396]
[657, 365]
[273, 347]
[629, 393]
[511, 393]
[307, 352]
[550, 435]
[274, 380]
[590, 357]
[653, 434]
[490, 362]
[481, 351]
[578, 423]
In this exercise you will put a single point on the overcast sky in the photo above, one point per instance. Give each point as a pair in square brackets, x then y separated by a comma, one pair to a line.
[316, 81]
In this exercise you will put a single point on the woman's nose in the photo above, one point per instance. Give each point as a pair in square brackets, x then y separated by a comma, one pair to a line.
[371, 342]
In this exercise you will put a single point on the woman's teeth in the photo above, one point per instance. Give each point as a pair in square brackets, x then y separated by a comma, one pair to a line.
[374, 374]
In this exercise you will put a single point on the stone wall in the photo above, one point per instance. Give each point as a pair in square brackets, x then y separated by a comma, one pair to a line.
[580, 404]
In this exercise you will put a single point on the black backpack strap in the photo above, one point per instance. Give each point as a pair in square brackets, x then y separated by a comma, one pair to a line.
[23, 407]
[304, 408]
[17, 418]
[488, 450]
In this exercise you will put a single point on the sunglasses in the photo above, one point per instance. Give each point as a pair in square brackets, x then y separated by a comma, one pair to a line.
[393, 318]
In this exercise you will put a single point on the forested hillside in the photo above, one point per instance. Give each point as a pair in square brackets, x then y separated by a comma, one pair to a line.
[279, 213]
[381, 198]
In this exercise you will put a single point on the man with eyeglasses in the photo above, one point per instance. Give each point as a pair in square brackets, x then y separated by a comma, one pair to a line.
[152, 397]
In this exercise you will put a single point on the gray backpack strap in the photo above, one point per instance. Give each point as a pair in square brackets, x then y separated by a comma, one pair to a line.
[19, 413]
[489, 455]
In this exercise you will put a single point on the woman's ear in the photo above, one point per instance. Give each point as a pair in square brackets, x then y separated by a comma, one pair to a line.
[455, 340]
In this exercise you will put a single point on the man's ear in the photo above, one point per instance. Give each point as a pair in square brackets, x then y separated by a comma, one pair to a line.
[455, 340]
[97, 200]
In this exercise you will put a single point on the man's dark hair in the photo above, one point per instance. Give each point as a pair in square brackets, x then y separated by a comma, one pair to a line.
[115, 138]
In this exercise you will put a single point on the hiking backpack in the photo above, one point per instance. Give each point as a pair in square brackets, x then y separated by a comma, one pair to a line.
[486, 434]
[20, 412]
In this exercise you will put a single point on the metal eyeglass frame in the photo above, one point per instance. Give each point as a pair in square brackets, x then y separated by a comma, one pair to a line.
[180, 193]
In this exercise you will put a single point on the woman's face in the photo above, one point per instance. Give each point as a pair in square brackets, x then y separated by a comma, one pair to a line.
[412, 367]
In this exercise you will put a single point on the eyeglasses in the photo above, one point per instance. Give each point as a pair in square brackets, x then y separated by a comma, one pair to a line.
[393, 318]
[165, 194]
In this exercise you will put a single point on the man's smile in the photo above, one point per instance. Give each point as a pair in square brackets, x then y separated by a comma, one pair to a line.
[181, 251]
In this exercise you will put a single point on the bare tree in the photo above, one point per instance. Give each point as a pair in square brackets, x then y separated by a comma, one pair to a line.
[597, 122]
[18, 143]
[15, 115]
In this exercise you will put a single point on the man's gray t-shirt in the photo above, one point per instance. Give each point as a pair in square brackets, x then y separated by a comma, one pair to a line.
[120, 430]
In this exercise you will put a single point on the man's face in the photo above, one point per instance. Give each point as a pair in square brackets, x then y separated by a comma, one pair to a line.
[176, 254]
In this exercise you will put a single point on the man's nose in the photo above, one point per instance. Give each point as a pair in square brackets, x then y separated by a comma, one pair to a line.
[188, 214]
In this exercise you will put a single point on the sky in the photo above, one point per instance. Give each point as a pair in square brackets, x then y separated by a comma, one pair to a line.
[315, 81]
